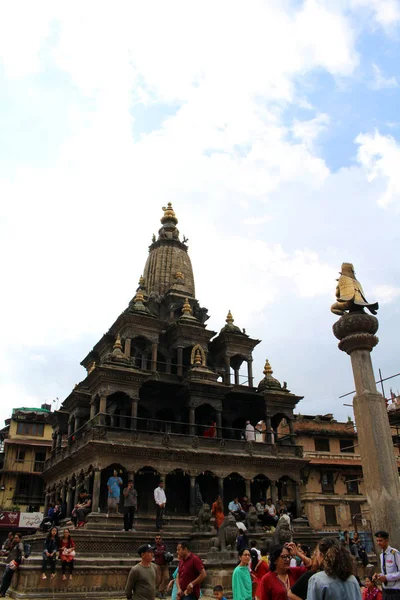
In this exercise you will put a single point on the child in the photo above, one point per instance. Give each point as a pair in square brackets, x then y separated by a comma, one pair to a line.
[219, 593]
[264, 555]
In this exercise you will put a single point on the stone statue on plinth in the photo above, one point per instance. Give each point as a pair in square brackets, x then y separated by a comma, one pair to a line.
[349, 293]
[355, 331]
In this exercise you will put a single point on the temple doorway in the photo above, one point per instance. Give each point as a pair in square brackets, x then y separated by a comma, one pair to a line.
[105, 475]
[178, 489]
[259, 488]
[208, 486]
[146, 481]
[205, 419]
[234, 486]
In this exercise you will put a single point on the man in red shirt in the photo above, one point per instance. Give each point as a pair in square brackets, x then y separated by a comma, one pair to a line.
[191, 573]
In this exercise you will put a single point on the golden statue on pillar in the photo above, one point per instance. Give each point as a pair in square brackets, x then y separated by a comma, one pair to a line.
[349, 294]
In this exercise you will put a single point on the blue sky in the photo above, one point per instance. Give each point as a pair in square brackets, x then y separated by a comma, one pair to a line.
[274, 129]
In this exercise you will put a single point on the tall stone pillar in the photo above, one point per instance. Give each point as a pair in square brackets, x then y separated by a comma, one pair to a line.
[291, 431]
[127, 347]
[70, 429]
[237, 378]
[77, 423]
[274, 493]
[250, 372]
[268, 433]
[179, 368]
[53, 441]
[356, 330]
[154, 348]
[96, 490]
[192, 495]
[227, 370]
[192, 416]
[248, 489]
[46, 503]
[221, 488]
[70, 500]
[92, 408]
[103, 409]
[134, 410]
[219, 424]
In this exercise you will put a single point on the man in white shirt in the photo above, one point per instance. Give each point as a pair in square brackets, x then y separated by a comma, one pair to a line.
[161, 500]
[390, 567]
[250, 432]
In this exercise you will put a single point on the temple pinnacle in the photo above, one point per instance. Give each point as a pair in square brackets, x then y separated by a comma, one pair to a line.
[169, 214]
[229, 319]
[117, 343]
[267, 368]
[186, 308]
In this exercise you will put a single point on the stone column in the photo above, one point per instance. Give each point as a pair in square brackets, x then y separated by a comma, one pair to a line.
[219, 424]
[297, 498]
[221, 488]
[248, 489]
[355, 331]
[92, 408]
[268, 434]
[59, 440]
[154, 348]
[70, 429]
[250, 372]
[274, 493]
[127, 348]
[53, 441]
[134, 409]
[64, 490]
[291, 431]
[192, 495]
[87, 482]
[143, 365]
[168, 366]
[77, 424]
[227, 370]
[96, 490]
[237, 378]
[46, 504]
[103, 409]
[192, 416]
[69, 500]
[179, 367]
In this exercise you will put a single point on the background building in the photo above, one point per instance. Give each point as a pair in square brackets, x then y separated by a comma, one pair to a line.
[25, 446]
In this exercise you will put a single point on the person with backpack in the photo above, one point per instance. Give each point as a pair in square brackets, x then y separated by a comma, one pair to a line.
[13, 561]
[67, 553]
[389, 576]
[51, 545]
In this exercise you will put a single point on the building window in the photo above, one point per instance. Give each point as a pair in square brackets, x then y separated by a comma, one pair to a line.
[40, 458]
[30, 429]
[330, 515]
[322, 445]
[327, 485]
[346, 446]
[20, 455]
[352, 484]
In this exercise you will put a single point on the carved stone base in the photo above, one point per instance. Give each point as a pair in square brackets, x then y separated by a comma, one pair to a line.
[356, 331]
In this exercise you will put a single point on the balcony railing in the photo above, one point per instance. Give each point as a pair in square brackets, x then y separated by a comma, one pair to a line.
[23, 466]
[175, 435]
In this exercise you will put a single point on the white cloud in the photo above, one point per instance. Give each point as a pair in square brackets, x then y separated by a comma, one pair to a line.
[308, 131]
[386, 294]
[258, 220]
[385, 12]
[380, 81]
[379, 155]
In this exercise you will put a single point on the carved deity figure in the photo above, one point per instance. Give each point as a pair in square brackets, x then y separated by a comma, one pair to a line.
[202, 523]
[350, 295]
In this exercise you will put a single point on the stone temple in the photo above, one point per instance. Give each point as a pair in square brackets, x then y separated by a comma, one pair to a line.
[163, 397]
[155, 384]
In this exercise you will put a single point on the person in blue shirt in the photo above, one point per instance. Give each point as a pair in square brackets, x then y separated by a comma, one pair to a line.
[218, 592]
[114, 492]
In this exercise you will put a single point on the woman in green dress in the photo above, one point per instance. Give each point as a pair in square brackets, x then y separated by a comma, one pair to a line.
[241, 579]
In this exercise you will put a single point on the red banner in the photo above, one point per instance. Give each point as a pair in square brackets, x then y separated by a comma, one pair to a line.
[9, 519]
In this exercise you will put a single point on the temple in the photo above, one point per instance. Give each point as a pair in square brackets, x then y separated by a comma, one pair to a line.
[164, 397]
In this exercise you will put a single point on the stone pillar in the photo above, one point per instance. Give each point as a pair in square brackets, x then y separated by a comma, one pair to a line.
[219, 424]
[291, 431]
[77, 423]
[53, 441]
[64, 490]
[103, 409]
[76, 493]
[143, 364]
[248, 489]
[227, 370]
[274, 493]
[168, 366]
[70, 429]
[192, 415]
[192, 495]
[298, 499]
[355, 331]
[87, 482]
[127, 348]
[154, 348]
[179, 368]
[268, 434]
[92, 409]
[221, 488]
[250, 372]
[237, 378]
[134, 409]
[96, 490]
[59, 439]
[46, 504]
[69, 500]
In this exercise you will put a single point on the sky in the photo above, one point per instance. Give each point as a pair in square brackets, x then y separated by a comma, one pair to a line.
[273, 127]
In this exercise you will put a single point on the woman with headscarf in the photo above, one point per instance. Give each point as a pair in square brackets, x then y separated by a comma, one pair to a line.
[336, 579]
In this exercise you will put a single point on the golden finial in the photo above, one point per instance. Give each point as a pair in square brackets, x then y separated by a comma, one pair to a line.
[198, 360]
[179, 275]
[139, 297]
[117, 343]
[267, 368]
[229, 318]
[141, 281]
[186, 308]
[169, 214]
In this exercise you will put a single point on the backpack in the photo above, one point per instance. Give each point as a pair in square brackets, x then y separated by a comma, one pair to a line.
[27, 549]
